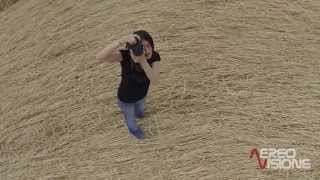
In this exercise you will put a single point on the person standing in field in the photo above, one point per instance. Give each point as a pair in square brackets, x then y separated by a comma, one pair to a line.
[138, 72]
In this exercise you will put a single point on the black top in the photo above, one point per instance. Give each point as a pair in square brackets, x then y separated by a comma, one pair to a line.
[134, 83]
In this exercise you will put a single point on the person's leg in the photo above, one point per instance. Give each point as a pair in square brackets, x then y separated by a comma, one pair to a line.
[130, 119]
[139, 108]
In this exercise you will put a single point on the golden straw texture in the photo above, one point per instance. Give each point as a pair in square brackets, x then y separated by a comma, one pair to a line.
[235, 75]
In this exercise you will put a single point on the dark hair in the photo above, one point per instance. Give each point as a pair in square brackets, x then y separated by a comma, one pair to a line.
[144, 35]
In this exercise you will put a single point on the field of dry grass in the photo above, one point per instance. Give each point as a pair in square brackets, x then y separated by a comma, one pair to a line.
[4, 4]
[235, 75]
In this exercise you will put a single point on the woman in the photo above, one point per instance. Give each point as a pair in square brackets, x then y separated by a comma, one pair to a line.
[137, 73]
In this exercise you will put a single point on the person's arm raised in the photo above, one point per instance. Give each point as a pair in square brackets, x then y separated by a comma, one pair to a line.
[152, 72]
[111, 53]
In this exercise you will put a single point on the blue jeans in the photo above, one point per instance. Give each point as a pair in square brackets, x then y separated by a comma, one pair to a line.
[131, 111]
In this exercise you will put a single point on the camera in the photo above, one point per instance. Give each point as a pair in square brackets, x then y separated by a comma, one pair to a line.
[136, 48]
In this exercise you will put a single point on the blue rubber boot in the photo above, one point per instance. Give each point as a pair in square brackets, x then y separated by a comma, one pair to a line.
[138, 133]
[140, 115]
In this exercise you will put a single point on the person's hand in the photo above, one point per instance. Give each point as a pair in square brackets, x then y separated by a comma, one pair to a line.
[137, 59]
[130, 39]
